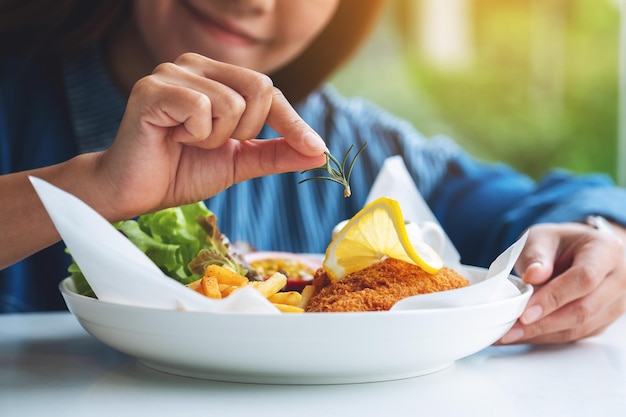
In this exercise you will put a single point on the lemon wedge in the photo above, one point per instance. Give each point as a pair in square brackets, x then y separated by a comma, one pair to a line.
[373, 234]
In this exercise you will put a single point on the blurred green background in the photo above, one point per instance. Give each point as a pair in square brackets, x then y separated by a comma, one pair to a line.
[533, 83]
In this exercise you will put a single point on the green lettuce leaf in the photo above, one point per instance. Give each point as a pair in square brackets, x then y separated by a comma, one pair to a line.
[181, 241]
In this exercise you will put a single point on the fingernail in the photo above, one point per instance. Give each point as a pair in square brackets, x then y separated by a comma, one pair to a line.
[530, 270]
[314, 142]
[513, 335]
[532, 314]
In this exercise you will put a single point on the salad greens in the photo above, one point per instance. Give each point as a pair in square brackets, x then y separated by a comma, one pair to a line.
[181, 241]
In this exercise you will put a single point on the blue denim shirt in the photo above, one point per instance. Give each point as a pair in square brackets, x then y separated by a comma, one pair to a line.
[483, 207]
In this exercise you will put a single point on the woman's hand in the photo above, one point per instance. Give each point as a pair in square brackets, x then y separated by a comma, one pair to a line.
[579, 274]
[188, 133]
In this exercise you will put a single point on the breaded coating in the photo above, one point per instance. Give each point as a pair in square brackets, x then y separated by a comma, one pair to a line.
[379, 286]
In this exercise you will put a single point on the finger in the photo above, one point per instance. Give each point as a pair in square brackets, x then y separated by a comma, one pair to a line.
[574, 315]
[535, 266]
[158, 105]
[299, 135]
[257, 158]
[538, 272]
[223, 114]
[579, 319]
[282, 117]
[575, 283]
[597, 326]
[535, 263]
[256, 90]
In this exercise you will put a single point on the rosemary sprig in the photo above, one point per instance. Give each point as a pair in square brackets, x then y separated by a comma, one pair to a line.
[337, 171]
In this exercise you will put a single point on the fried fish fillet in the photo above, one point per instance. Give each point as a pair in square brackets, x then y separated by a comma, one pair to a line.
[379, 286]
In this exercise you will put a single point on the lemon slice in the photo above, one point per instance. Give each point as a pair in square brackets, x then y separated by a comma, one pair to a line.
[374, 233]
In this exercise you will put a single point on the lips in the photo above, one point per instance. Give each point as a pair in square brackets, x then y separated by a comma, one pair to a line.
[219, 27]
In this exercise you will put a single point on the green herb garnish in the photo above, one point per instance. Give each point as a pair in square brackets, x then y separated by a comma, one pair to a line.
[337, 171]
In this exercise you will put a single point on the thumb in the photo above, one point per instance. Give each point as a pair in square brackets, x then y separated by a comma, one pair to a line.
[537, 273]
[536, 262]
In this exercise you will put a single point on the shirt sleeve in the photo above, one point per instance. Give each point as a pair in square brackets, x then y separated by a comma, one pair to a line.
[485, 207]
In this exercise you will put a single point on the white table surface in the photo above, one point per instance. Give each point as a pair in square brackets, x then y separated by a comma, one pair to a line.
[49, 366]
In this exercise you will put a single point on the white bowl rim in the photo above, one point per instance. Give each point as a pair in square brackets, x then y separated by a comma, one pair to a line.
[526, 291]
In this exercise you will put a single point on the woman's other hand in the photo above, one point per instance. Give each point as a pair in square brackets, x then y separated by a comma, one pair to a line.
[579, 274]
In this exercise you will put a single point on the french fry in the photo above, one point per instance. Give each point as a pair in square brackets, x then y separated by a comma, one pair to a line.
[307, 293]
[225, 275]
[271, 285]
[220, 282]
[254, 284]
[211, 287]
[288, 308]
[227, 290]
[196, 286]
[288, 297]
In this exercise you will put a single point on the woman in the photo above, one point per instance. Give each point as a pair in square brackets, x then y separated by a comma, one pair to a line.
[150, 135]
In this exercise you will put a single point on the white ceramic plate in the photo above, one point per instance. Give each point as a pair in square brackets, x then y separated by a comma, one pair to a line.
[310, 348]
